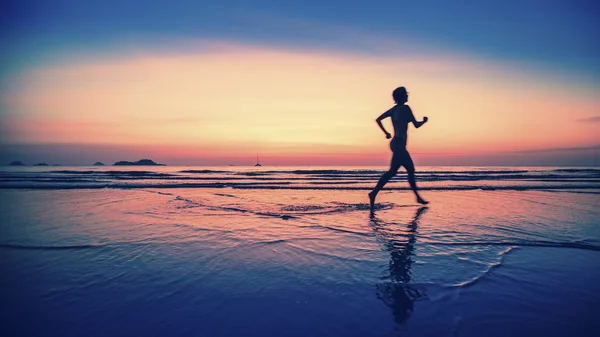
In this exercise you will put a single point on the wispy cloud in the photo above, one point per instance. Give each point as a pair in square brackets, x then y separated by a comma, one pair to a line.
[562, 149]
[594, 119]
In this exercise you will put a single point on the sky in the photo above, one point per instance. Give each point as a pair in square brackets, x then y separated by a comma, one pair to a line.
[298, 83]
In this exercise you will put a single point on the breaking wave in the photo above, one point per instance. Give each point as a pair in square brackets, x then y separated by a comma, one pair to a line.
[551, 179]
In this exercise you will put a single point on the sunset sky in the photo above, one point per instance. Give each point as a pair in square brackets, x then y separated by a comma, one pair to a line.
[214, 83]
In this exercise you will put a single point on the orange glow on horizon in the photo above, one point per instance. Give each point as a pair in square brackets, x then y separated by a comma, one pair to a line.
[237, 100]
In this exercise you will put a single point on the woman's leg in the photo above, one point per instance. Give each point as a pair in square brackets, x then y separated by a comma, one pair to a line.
[394, 166]
[410, 170]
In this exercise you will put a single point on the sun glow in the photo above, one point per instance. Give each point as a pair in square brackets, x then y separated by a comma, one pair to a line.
[236, 98]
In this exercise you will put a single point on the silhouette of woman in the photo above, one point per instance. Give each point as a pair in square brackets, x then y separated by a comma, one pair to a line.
[401, 115]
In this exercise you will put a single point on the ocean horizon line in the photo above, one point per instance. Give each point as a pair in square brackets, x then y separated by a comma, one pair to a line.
[283, 165]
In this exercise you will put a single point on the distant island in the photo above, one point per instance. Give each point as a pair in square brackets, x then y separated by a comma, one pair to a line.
[141, 162]
[41, 164]
[16, 163]
[99, 163]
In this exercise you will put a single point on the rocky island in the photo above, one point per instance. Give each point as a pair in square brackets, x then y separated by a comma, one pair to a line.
[141, 162]
[16, 163]
[99, 163]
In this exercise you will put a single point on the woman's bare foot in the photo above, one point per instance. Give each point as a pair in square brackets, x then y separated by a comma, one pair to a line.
[422, 201]
[372, 196]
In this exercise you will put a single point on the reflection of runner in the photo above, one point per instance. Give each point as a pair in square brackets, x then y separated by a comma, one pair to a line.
[401, 115]
[398, 294]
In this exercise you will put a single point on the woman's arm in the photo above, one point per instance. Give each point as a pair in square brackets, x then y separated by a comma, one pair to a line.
[414, 121]
[382, 117]
[419, 124]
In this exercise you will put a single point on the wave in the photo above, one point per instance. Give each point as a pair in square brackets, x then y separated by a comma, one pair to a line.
[300, 172]
[305, 179]
[429, 188]
[126, 173]
[204, 171]
[225, 195]
[347, 172]
[586, 170]
[309, 175]
[341, 172]
[323, 180]
[288, 186]
[487, 272]
[543, 244]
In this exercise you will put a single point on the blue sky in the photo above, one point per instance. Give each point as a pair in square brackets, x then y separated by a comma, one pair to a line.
[559, 35]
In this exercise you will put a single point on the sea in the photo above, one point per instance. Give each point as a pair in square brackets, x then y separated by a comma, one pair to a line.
[296, 251]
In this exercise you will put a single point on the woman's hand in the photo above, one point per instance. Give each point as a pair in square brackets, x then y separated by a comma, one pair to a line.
[425, 119]
[387, 135]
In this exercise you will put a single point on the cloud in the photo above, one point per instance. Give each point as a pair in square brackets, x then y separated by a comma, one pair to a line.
[595, 119]
[562, 149]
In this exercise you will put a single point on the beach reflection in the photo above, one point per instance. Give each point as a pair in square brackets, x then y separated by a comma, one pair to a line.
[397, 293]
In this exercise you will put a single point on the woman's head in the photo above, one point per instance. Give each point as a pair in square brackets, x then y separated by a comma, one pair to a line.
[400, 95]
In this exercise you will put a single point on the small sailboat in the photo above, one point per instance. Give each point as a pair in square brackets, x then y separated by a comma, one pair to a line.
[257, 163]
